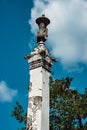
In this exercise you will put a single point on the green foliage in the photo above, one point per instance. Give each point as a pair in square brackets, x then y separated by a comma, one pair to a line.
[19, 114]
[68, 108]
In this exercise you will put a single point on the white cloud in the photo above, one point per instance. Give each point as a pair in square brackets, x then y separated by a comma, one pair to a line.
[67, 31]
[6, 93]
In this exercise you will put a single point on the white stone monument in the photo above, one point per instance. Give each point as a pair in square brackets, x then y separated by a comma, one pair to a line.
[40, 63]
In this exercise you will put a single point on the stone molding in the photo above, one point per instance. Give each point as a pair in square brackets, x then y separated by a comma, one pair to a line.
[40, 57]
[40, 63]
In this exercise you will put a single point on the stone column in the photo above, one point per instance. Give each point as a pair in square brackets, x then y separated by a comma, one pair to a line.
[40, 63]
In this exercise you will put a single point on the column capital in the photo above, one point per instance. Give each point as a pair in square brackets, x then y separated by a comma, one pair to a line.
[40, 57]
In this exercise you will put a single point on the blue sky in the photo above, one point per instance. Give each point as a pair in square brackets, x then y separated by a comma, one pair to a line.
[67, 42]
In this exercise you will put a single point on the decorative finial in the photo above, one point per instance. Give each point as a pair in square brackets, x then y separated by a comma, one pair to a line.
[43, 15]
[42, 34]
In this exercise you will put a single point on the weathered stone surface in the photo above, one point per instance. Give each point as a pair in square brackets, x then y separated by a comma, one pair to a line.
[38, 106]
[40, 57]
[42, 34]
